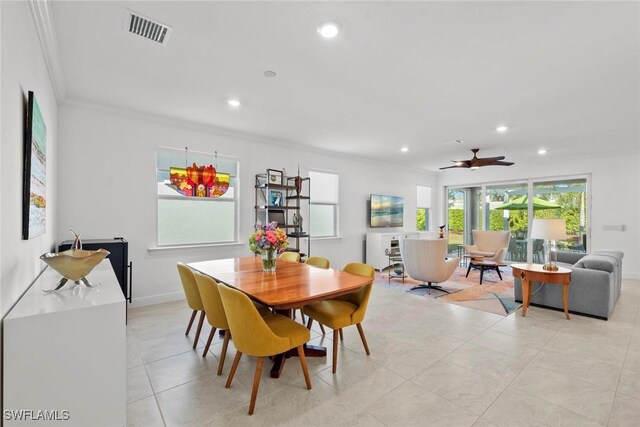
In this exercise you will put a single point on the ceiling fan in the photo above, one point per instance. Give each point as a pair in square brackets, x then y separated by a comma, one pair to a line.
[476, 162]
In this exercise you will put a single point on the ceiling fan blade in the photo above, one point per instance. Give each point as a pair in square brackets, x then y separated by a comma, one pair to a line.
[453, 167]
[503, 163]
[491, 158]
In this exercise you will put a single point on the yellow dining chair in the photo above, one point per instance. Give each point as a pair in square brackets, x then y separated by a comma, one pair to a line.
[345, 310]
[260, 336]
[316, 261]
[193, 298]
[290, 256]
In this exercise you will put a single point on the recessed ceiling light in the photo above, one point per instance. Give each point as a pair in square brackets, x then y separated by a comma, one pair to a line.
[542, 151]
[233, 103]
[270, 73]
[328, 30]
[502, 128]
[404, 149]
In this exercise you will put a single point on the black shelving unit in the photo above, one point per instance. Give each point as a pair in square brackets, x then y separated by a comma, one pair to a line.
[283, 214]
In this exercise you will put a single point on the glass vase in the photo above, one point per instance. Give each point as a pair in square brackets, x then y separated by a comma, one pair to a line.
[269, 258]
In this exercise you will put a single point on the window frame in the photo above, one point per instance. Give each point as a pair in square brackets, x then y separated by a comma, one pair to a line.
[235, 200]
[336, 206]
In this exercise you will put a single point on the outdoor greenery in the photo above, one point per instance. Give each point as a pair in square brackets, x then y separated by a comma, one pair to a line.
[570, 202]
[422, 223]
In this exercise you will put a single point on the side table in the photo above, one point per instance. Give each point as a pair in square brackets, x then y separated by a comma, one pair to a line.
[535, 273]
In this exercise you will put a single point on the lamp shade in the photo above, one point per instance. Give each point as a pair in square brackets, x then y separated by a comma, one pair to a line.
[549, 229]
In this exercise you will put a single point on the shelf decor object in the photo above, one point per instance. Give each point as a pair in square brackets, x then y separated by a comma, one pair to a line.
[74, 264]
[199, 181]
[297, 182]
[549, 230]
[268, 240]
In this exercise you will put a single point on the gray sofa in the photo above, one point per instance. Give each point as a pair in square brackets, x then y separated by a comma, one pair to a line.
[595, 284]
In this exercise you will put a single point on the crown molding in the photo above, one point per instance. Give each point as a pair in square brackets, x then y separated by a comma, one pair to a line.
[43, 20]
[190, 125]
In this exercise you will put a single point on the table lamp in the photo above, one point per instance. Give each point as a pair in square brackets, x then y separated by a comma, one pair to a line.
[549, 230]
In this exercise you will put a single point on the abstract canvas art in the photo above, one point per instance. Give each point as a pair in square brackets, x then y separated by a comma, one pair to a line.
[34, 195]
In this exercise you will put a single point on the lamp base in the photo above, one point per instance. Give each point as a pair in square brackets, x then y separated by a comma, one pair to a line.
[549, 267]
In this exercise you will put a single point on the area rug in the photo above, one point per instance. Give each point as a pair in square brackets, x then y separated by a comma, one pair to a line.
[493, 296]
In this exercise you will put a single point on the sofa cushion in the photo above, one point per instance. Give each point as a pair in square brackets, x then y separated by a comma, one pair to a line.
[597, 262]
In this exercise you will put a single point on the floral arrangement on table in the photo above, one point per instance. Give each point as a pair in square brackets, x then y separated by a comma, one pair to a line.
[268, 240]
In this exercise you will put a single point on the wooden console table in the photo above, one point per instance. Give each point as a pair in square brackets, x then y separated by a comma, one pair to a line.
[535, 273]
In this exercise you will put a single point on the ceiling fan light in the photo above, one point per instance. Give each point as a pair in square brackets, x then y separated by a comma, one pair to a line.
[458, 163]
[474, 168]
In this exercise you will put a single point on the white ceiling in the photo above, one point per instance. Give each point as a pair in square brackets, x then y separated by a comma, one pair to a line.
[563, 75]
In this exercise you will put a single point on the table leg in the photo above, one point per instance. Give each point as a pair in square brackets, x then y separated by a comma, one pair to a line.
[565, 299]
[526, 295]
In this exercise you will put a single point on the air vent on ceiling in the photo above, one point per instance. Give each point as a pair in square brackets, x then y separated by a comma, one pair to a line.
[148, 28]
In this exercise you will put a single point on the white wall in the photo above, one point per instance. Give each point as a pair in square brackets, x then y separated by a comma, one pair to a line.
[108, 188]
[615, 191]
[23, 69]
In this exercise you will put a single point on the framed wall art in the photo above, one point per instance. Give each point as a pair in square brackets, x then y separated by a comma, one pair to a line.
[34, 189]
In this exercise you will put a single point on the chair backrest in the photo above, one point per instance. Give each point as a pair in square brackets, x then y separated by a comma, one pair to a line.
[190, 287]
[490, 241]
[250, 333]
[290, 256]
[360, 297]
[318, 261]
[424, 259]
[211, 301]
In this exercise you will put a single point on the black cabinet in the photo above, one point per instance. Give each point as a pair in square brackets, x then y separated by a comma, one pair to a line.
[119, 257]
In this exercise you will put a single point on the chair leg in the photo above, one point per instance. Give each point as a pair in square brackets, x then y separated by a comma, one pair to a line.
[341, 336]
[302, 316]
[305, 369]
[206, 347]
[364, 340]
[223, 354]
[234, 366]
[193, 316]
[335, 351]
[256, 384]
[200, 322]
[309, 323]
[322, 329]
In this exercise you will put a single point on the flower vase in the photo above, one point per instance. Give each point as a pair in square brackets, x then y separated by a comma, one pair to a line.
[269, 258]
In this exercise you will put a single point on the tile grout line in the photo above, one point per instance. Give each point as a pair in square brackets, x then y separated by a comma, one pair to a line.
[626, 354]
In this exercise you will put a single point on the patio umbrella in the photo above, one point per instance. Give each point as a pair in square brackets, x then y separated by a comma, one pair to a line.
[522, 203]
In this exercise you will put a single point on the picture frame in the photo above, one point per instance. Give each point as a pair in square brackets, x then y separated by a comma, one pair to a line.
[34, 180]
[274, 177]
[276, 198]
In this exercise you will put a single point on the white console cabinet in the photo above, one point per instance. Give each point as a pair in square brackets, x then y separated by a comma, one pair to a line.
[65, 353]
[378, 243]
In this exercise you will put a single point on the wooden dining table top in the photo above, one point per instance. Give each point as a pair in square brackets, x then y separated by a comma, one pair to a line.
[292, 285]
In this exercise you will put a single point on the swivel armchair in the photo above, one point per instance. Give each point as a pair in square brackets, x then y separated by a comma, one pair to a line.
[425, 260]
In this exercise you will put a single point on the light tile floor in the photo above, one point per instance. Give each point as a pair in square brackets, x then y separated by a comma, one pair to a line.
[432, 363]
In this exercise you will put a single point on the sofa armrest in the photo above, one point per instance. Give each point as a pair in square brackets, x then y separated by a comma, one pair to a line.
[569, 257]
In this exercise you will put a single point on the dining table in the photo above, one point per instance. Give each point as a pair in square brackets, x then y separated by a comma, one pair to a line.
[292, 285]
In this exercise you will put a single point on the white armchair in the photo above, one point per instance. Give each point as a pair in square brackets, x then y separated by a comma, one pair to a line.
[425, 260]
[492, 245]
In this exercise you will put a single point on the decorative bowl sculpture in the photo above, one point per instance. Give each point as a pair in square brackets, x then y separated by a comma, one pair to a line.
[74, 264]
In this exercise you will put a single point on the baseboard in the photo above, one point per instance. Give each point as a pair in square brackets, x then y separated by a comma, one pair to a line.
[631, 275]
[157, 299]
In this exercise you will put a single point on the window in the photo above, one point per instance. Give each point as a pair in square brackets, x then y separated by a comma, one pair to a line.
[190, 220]
[423, 212]
[324, 204]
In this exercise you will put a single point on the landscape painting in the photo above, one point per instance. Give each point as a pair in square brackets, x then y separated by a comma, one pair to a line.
[34, 201]
[387, 211]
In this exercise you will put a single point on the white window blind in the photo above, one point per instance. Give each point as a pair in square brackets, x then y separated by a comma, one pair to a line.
[324, 204]
[424, 197]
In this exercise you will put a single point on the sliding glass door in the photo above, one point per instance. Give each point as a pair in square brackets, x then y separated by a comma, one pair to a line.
[512, 206]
